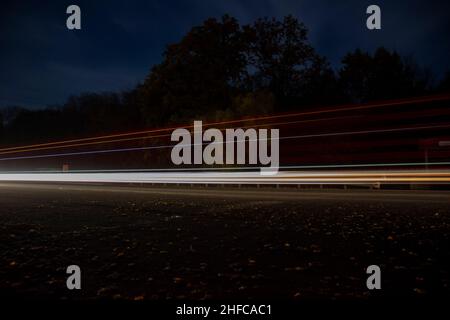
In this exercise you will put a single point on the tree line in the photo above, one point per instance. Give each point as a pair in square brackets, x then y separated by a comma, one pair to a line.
[222, 70]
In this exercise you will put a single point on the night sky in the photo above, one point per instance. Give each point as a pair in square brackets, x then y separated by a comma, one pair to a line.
[42, 62]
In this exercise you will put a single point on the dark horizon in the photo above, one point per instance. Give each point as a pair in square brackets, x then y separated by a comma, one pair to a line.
[43, 63]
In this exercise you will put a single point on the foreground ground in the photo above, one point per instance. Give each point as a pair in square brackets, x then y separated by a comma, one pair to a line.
[161, 243]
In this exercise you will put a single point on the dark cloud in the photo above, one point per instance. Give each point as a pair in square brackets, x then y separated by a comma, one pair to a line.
[41, 62]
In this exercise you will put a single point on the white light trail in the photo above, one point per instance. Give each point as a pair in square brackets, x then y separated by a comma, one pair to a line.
[283, 177]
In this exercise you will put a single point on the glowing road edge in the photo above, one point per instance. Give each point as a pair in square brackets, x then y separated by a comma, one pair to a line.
[429, 176]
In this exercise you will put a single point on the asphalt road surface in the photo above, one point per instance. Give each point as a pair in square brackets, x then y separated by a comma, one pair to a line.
[139, 243]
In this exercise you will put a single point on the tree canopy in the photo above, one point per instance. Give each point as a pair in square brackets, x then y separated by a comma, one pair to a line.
[220, 70]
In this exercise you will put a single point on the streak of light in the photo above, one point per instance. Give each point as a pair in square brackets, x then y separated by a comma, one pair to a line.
[162, 136]
[337, 109]
[305, 167]
[170, 146]
[283, 177]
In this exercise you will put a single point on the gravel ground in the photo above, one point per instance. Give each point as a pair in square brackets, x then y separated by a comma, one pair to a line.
[139, 246]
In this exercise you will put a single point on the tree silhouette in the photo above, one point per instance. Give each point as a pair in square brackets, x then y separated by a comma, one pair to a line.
[222, 70]
[220, 64]
[199, 74]
[285, 63]
[384, 75]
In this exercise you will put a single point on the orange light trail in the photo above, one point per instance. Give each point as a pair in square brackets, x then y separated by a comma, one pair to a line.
[282, 138]
[341, 109]
[161, 136]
